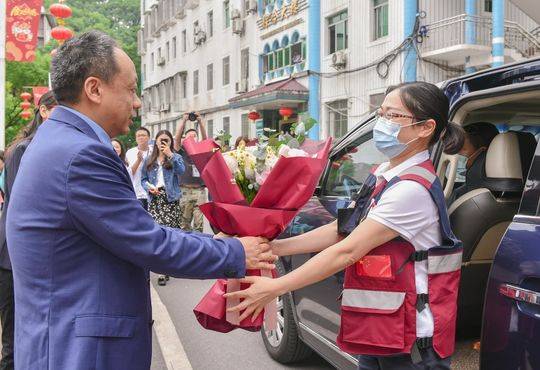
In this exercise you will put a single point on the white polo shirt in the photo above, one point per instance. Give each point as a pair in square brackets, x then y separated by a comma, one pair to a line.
[408, 209]
[131, 157]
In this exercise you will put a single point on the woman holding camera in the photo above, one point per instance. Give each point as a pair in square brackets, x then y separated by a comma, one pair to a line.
[160, 177]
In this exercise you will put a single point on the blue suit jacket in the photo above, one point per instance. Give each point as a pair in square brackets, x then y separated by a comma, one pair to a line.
[81, 246]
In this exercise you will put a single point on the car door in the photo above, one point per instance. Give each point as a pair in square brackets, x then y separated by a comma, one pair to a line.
[317, 306]
[511, 324]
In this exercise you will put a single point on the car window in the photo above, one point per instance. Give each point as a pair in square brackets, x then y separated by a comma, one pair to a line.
[530, 202]
[351, 166]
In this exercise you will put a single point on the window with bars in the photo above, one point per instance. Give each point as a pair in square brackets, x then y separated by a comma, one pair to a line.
[226, 14]
[245, 126]
[210, 128]
[338, 37]
[227, 125]
[337, 118]
[226, 71]
[196, 82]
[210, 77]
[174, 47]
[284, 57]
[488, 6]
[380, 19]
[184, 41]
[210, 21]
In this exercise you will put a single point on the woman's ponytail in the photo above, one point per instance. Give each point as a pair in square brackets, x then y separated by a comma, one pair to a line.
[452, 138]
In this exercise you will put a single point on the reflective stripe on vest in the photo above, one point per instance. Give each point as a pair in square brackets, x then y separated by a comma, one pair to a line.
[444, 263]
[372, 299]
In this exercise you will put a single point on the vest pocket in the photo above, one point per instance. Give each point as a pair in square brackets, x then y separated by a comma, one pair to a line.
[375, 318]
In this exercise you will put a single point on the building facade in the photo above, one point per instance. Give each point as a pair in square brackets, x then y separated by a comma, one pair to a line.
[363, 53]
[333, 59]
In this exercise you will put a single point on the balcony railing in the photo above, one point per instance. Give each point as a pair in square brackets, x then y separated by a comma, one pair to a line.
[451, 32]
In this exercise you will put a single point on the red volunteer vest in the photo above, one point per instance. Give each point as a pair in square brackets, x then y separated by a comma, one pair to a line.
[380, 301]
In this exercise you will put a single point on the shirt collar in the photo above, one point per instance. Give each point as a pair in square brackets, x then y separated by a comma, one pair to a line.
[388, 175]
[100, 132]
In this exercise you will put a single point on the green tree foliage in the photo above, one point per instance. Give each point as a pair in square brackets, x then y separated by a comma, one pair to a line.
[118, 18]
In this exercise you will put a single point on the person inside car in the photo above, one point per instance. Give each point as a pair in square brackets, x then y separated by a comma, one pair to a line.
[402, 262]
[478, 136]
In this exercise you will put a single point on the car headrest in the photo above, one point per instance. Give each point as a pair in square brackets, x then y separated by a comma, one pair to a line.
[503, 163]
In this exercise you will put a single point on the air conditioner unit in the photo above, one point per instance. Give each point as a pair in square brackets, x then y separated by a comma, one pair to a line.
[252, 6]
[165, 107]
[161, 61]
[199, 37]
[242, 86]
[238, 26]
[192, 4]
[339, 60]
[235, 13]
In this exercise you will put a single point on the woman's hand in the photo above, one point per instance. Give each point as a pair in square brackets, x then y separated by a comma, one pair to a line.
[165, 149]
[262, 291]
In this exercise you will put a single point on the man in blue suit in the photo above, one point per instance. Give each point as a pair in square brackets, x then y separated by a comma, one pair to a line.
[80, 242]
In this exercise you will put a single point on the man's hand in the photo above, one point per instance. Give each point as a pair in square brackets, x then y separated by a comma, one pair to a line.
[140, 155]
[258, 253]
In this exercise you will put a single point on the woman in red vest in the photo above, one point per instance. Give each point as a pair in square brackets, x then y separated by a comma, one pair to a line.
[401, 260]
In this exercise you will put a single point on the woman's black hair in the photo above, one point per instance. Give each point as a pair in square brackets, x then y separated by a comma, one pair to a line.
[155, 152]
[426, 101]
[28, 132]
[122, 150]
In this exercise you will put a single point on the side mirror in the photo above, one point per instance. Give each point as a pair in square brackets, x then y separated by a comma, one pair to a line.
[317, 192]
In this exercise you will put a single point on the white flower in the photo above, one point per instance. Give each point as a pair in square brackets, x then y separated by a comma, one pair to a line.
[297, 153]
[231, 162]
[300, 129]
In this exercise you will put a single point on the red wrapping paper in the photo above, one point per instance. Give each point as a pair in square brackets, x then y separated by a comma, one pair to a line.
[288, 187]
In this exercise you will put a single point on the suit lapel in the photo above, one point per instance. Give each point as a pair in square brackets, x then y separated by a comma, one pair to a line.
[60, 114]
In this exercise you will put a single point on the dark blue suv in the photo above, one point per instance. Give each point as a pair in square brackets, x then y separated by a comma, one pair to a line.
[498, 221]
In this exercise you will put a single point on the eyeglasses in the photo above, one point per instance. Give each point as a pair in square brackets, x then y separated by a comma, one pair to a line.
[392, 115]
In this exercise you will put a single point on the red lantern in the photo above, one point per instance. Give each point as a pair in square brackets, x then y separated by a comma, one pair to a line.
[61, 33]
[60, 10]
[26, 105]
[286, 112]
[26, 114]
[254, 116]
[26, 96]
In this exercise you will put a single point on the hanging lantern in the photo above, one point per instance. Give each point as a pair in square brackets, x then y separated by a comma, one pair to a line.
[254, 116]
[60, 10]
[286, 112]
[26, 105]
[26, 96]
[26, 114]
[61, 33]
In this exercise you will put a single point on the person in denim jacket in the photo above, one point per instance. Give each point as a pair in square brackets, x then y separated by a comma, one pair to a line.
[160, 177]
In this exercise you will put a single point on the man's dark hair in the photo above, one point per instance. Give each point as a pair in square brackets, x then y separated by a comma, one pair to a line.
[481, 134]
[191, 130]
[89, 54]
[143, 129]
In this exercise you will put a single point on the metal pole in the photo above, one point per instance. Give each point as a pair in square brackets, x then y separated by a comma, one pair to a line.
[314, 60]
[470, 30]
[2, 73]
[498, 33]
[410, 63]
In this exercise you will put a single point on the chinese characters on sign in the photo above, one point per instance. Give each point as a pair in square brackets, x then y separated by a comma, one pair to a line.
[278, 15]
[22, 29]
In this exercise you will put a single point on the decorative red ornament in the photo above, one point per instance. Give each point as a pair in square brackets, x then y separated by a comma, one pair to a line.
[254, 116]
[286, 112]
[61, 33]
[26, 105]
[60, 10]
[26, 114]
[26, 96]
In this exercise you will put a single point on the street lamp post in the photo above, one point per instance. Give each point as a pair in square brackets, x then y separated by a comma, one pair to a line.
[2, 73]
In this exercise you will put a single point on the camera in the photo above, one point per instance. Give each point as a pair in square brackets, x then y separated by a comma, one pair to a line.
[192, 116]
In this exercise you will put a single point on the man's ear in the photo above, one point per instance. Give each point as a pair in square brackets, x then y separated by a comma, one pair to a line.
[93, 89]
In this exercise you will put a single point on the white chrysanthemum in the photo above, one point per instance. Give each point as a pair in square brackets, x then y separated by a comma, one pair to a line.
[232, 163]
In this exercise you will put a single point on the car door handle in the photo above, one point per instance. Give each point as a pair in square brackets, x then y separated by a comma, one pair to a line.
[520, 294]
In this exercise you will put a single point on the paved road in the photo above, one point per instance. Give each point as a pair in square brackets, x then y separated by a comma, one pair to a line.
[207, 350]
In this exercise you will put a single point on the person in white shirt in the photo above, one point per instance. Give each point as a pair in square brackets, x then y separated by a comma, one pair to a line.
[135, 158]
[403, 218]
